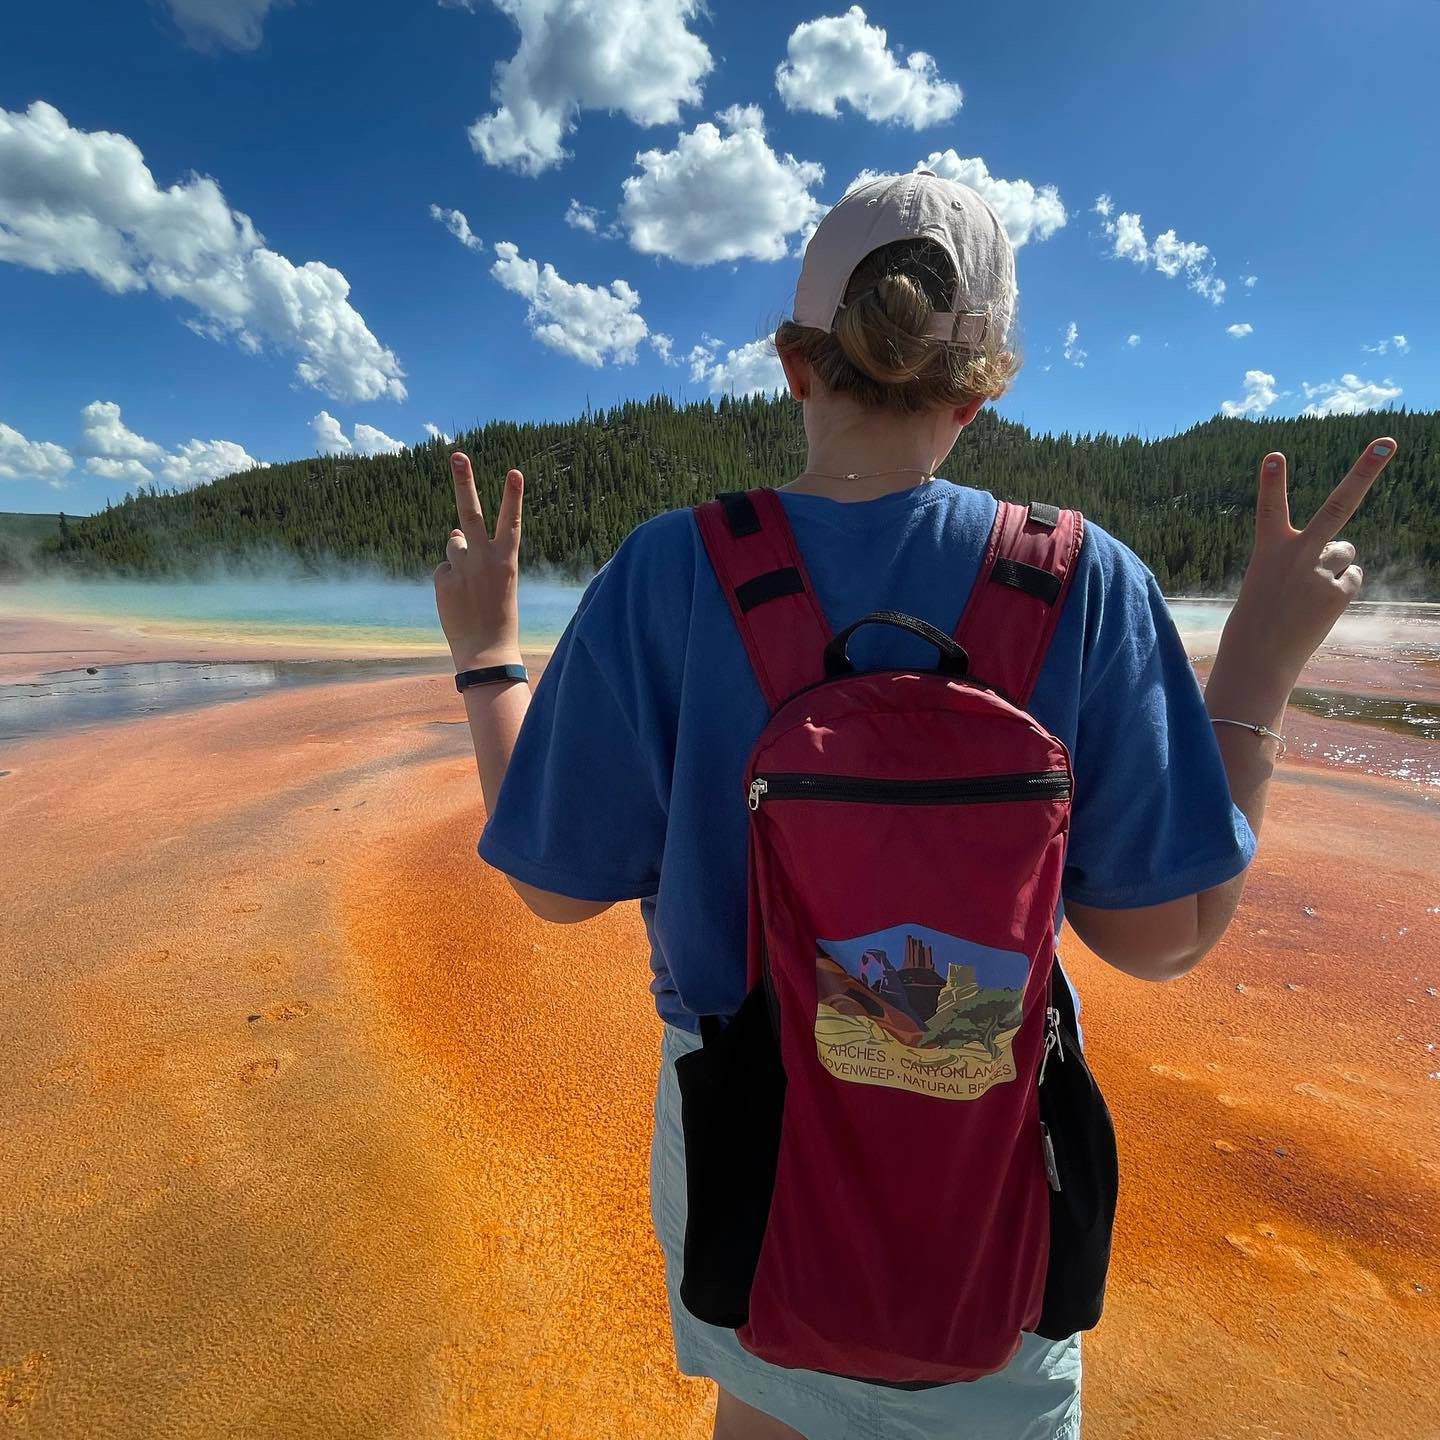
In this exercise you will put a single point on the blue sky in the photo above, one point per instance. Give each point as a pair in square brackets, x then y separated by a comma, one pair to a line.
[146, 329]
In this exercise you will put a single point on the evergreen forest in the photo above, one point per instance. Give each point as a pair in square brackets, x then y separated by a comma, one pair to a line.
[1184, 502]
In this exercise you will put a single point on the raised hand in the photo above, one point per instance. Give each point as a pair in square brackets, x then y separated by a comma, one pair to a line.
[475, 584]
[1298, 582]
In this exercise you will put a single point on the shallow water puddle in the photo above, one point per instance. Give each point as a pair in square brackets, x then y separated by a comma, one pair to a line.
[93, 694]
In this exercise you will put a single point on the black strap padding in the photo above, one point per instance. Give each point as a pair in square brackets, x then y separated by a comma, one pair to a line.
[1043, 514]
[1029, 578]
[787, 580]
[740, 513]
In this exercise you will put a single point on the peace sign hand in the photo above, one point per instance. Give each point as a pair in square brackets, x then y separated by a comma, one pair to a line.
[1299, 582]
[475, 584]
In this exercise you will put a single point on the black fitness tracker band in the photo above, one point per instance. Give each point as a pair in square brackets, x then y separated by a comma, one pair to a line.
[489, 675]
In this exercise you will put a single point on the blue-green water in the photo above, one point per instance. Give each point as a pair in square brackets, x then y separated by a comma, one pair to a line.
[391, 614]
[366, 610]
[393, 625]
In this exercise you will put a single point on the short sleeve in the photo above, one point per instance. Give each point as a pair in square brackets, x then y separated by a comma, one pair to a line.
[1152, 819]
[582, 810]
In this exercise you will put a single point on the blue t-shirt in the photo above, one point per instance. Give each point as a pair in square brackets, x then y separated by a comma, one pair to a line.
[627, 777]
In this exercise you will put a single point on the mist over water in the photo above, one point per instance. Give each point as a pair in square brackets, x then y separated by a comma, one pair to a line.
[372, 623]
[365, 608]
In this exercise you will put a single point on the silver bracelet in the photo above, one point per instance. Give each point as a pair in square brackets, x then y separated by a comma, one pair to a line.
[1254, 729]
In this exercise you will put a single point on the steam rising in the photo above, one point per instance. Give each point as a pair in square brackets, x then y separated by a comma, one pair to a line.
[279, 596]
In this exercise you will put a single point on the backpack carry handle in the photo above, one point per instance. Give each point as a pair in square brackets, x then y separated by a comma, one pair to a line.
[953, 659]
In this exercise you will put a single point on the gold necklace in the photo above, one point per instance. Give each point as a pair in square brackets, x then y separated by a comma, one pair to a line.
[868, 474]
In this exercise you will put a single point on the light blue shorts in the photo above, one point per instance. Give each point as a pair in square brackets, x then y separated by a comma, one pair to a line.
[1036, 1396]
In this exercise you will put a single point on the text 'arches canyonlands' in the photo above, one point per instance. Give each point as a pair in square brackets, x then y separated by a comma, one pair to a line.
[917, 1009]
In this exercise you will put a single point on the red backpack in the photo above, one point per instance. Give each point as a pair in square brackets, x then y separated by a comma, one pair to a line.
[897, 1160]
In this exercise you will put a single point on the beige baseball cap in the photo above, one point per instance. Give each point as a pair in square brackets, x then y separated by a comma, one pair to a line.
[920, 205]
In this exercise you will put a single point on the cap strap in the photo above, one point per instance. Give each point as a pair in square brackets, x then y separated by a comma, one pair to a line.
[961, 327]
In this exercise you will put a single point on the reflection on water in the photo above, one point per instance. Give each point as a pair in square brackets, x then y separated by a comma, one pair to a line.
[72, 699]
[1402, 717]
[1380, 644]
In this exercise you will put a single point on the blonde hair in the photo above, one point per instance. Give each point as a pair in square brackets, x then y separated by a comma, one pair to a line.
[877, 352]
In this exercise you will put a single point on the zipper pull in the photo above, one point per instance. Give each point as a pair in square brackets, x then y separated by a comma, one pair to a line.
[1052, 1040]
[757, 789]
[1047, 1146]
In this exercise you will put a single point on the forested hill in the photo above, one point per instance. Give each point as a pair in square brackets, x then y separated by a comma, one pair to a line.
[1184, 503]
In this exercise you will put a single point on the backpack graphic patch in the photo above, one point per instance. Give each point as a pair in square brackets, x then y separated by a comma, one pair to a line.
[916, 1009]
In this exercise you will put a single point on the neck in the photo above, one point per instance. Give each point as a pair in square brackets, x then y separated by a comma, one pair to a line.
[889, 453]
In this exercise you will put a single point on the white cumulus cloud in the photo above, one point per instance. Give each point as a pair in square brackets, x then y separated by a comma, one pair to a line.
[370, 441]
[22, 459]
[1400, 344]
[1248, 281]
[1132, 341]
[744, 371]
[197, 461]
[721, 194]
[130, 471]
[635, 56]
[1260, 394]
[116, 452]
[1072, 352]
[435, 432]
[1168, 253]
[592, 323]
[76, 200]
[456, 223]
[212, 25]
[1240, 331]
[1349, 395]
[1028, 212]
[843, 58]
[331, 439]
[106, 436]
[1103, 205]
[582, 217]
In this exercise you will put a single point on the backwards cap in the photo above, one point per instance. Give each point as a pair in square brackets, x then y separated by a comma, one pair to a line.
[919, 206]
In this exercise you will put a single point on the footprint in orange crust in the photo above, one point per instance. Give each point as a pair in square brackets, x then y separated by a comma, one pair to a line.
[21, 1384]
[290, 1010]
[258, 1071]
[1340, 1102]
[1169, 1072]
[248, 908]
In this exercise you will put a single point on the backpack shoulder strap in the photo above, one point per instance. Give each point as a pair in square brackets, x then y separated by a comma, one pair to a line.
[1024, 577]
[758, 565]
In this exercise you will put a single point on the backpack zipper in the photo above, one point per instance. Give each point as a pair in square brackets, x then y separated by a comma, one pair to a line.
[1047, 1144]
[862, 789]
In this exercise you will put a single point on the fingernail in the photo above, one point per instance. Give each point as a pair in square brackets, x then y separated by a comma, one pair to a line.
[1382, 450]
[1271, 466]
[457, 461]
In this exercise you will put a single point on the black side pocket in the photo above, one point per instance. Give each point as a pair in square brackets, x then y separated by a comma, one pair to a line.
[1082, 1211]
[732, 1097]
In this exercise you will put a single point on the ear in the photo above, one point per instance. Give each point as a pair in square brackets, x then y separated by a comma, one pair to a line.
[965, 413]
[797, 373]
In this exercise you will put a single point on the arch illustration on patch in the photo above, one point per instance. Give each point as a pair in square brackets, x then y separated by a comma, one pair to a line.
[917, 1009]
